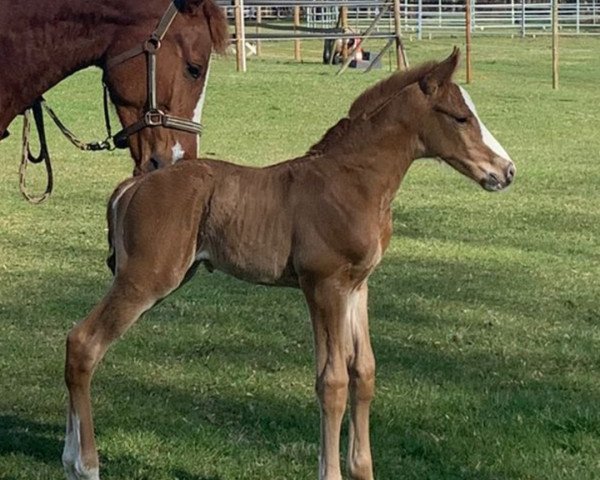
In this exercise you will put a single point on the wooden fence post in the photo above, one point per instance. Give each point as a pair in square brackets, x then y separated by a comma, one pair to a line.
[400, 57]
[297, 55]
[240, 36]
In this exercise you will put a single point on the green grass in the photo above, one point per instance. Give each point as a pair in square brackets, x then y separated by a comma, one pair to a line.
[485, 312]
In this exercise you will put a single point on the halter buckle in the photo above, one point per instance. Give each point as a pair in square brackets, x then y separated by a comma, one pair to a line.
[154, 118]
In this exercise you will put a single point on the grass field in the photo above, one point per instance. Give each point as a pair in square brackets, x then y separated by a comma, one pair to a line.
[485, 312]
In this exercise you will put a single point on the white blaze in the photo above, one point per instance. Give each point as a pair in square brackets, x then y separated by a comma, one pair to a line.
[200, 105]
[487, 137]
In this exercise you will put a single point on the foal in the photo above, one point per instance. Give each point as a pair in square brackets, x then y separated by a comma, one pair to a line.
[320, 222]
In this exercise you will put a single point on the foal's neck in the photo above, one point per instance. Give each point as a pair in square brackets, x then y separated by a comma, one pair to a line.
[375, 158]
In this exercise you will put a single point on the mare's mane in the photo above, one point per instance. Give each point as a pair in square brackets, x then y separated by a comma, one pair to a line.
[370, 101]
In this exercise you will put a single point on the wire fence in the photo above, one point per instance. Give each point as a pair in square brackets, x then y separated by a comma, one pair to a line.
[437, 17]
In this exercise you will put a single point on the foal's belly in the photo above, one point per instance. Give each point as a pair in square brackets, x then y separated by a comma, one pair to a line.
[260, 269]
[260, 253]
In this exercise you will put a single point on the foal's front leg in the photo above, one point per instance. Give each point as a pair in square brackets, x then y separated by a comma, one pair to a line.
[361, 370]
[328, 306]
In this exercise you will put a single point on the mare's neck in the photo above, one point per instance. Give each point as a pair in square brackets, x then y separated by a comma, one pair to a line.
[45, 41]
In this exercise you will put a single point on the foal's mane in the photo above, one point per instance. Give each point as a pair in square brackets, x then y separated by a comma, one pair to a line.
[370, 101]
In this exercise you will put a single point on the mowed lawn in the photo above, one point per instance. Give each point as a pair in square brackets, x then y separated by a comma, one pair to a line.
[485, 311]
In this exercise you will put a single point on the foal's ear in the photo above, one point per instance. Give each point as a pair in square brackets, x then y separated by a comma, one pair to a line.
[440, 74]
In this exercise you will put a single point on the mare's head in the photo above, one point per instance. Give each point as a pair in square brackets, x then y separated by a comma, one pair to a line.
[181, 75]
[445, 119]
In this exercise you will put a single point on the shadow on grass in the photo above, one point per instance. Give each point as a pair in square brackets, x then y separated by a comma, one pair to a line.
[40, 441]
[131, 468]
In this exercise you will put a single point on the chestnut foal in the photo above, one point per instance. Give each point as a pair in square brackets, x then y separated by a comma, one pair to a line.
[320, 222]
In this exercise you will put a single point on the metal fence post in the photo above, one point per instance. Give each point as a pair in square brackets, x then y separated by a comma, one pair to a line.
[555, 44]
[420, 20]
[523, 18]
[512, 12]
[468, 39]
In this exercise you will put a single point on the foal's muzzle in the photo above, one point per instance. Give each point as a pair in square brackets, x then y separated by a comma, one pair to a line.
[494, 182]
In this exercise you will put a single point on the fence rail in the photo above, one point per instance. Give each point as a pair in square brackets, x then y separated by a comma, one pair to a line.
[430, 18]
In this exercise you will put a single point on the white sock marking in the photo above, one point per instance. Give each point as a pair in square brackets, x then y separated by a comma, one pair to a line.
[71, 457]
[486, 135]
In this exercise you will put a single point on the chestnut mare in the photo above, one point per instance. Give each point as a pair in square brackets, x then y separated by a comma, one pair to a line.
[44, 41]
[320, 222]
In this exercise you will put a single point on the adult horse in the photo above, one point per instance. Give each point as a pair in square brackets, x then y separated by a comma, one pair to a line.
[320, 223]
[44, 41]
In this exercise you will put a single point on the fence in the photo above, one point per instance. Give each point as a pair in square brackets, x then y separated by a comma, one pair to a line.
[441, 17]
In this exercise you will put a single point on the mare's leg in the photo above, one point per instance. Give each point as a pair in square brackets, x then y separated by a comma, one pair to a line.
[361, 369]
[328, 305]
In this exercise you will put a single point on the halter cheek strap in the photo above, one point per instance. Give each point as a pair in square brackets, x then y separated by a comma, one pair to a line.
[153, 116]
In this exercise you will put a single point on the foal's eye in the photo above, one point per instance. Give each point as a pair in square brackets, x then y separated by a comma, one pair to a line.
[461, 119]
[194, 70]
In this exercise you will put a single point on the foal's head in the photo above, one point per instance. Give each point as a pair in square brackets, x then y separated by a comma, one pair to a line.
[182, 69]
[448, 127]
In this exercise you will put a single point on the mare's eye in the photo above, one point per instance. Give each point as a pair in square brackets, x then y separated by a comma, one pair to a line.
[461, 119]
[194, 70]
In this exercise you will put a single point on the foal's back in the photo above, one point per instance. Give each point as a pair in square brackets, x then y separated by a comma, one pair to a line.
[263, 225]
[233, 218]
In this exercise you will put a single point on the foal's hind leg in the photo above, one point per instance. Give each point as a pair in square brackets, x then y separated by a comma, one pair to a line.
[361, 371]
[86, 345]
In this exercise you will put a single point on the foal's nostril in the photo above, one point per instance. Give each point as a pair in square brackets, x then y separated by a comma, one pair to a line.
[493, 178]
[510, 173]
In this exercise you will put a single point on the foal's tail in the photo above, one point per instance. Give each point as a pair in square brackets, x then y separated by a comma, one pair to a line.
[154, 223]
[111, 219]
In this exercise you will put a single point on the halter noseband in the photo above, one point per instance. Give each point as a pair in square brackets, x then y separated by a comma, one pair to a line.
[153, 116]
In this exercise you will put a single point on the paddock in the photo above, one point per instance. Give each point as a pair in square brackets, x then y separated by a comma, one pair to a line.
[485, 327]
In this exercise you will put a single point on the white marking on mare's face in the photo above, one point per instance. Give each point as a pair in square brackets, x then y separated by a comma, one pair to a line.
[71, 457]
[177, 152]
[486, 135]
[200, 105]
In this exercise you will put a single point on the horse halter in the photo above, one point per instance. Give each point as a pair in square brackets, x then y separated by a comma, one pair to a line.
[153, 116]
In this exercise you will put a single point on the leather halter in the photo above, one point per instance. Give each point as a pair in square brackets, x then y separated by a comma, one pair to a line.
[153, 116]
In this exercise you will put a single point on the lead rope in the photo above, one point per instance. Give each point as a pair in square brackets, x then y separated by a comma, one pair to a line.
[28, 157]
[105, 144]
[44, 155]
